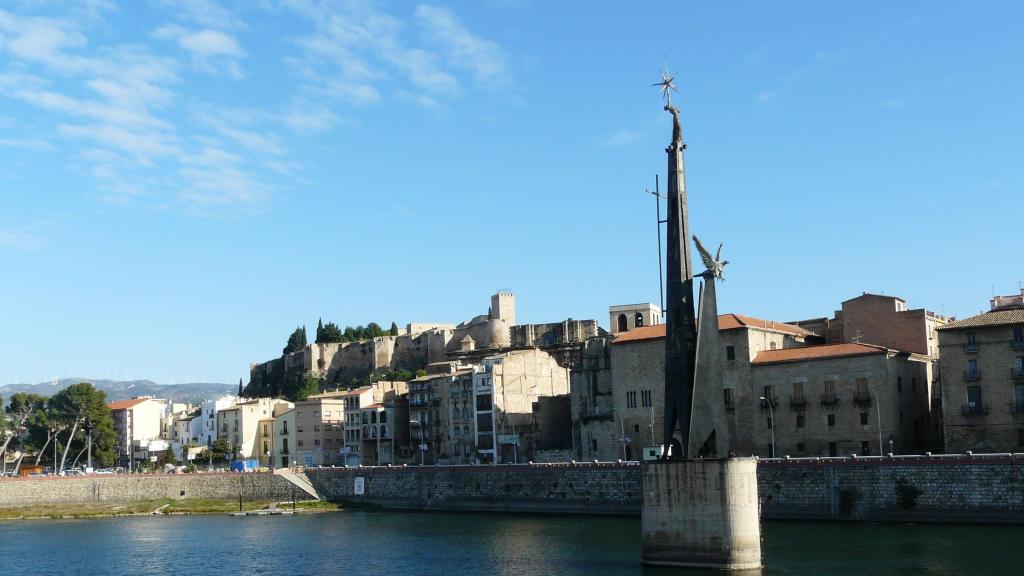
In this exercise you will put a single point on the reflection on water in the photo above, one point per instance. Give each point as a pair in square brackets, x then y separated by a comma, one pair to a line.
[469, 544]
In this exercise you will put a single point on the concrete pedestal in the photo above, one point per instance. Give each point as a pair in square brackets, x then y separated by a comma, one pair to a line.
[701, 514]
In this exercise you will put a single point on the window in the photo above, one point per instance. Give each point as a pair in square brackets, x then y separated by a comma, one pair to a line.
[832, 449]
[298, 429]
[800, 420]
[800, 447]
[865, 448]
[862, 387]
[773, 346]
[771, 450]
[623, 323]
[863, 418]
[798, 390]
[636, 428]
[767, 393]
[1018, 335]
[327, 414]
[727, 393]
[483, 403]
[972, 342]
[299, 443]
[831, 419]
[383, 417]
[730, 353]
[645, 398]
[830, 389]
[639, 319]
[899, 384]
[298, 415]
[974, 398]
[316, 442]
[593, 444]
[631, 399]
[316, 428]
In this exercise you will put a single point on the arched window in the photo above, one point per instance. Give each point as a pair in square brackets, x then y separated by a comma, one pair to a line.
[458, 431]
[383, 431]
[623, 323]
[373, 417]
[465, 431]
[639, 319]
[465, 413]
[383, 417]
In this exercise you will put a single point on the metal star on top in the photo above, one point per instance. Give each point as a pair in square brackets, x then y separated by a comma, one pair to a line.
[667, 86]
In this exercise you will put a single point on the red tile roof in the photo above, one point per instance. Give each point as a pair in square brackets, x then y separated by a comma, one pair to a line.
[725, 322]
[125, 404]
[844, 350]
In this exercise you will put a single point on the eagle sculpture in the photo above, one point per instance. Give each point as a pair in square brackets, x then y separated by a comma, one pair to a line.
[715, 266]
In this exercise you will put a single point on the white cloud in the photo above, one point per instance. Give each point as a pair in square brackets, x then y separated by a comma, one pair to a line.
[22, 239]
[621, 138]
[486, 60]
[207, 13]
[211, 50]
[36, 144]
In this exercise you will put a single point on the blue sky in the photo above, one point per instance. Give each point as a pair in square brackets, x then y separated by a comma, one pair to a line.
[184, 181]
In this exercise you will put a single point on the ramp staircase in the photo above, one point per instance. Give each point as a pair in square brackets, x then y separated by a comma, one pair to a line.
[299, 480]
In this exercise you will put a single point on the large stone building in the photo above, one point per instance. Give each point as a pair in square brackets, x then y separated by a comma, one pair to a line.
[239, 424]
[982, 368]
[887, 321]
[618, 391]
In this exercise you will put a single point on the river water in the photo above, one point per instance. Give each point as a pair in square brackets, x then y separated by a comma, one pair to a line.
[406, 544]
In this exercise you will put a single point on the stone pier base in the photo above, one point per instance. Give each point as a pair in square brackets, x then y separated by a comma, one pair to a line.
[701, 514]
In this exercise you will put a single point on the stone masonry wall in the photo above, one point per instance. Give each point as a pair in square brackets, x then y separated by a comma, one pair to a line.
[79, 490]
[606, 488]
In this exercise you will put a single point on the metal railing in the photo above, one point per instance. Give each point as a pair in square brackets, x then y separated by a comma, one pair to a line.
[829, 399]
[975, 409]
[798, 401]
[862, 398]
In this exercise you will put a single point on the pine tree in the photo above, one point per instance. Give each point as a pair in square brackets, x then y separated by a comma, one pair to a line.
[394, 329]
[320, 331]
[239, 387]
[297, 341]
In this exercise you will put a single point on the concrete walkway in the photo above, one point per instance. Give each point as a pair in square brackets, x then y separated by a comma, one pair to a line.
[299, 480]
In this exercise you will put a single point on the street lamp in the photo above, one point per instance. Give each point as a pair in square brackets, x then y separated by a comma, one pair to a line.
[878, 416]
[420, 443]
[771, 412]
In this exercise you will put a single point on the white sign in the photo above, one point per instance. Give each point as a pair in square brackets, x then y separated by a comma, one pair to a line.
[360, 486]
[152, 458]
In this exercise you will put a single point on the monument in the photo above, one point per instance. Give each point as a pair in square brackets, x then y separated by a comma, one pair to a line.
[699, 507]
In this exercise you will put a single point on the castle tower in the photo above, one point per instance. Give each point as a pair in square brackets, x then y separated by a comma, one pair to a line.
[503, 307]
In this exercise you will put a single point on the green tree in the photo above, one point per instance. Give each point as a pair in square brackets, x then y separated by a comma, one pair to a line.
[319, 331]
[169, 455]
[329, 333]
[221, 449]
[373, 330]
[76, 407]
[308, 386]
[394, 329]
[297, 341]
[349, 335]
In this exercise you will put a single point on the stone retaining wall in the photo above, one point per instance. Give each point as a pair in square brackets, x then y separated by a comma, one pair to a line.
[121, 488]
[606, 488]
[964, 488]
[961, 488]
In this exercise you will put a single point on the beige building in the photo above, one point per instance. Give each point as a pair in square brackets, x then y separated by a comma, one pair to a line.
[433, 401]
[284, 440]
[320, 429]
[136, 423]
[505, 386]
[982, 369]
[240, 424]
[626, 317]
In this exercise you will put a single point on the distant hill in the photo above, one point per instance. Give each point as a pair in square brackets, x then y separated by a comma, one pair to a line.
[124, 390]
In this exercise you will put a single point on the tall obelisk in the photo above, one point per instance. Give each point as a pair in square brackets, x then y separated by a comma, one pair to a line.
[680, 322]
[698, 512]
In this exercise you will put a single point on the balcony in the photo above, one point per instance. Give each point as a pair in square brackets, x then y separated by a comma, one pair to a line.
[773, 400]
[730, 407]
[798, 402]
[975, 409]
[830, 399]
[862, 399]
[284, 432]
[972, 375]
[418, 403]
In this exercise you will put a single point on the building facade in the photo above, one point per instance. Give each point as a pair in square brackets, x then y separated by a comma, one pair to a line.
[982, 374]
